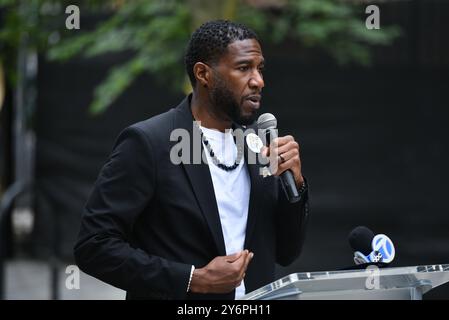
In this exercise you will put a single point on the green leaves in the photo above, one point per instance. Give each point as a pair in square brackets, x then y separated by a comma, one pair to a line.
[337, 27]
[156, 32]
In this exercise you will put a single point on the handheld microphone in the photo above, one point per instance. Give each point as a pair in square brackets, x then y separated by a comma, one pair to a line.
[369, 248]
[268, 122]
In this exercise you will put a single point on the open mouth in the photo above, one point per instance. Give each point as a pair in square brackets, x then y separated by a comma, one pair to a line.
[255, 98]
[254, 101]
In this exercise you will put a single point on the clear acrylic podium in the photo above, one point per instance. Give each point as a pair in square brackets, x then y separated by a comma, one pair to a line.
[404, 283]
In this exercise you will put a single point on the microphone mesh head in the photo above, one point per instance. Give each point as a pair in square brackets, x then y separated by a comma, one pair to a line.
[267, 121]
[360, 239]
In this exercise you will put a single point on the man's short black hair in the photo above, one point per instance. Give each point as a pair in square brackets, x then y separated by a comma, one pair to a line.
[210, 41]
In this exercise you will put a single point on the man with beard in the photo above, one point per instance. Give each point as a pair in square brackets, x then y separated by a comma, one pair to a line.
[161, 229]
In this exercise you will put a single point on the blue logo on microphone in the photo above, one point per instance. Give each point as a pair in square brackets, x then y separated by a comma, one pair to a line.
[383, 251]
[384, 246]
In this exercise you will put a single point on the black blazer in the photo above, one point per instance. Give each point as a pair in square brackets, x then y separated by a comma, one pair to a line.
[148, 220]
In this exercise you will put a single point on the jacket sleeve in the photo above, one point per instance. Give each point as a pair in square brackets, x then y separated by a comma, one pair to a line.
[291, 222]
[123, 189]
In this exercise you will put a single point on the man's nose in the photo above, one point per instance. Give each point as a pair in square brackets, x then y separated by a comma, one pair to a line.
[256, 81]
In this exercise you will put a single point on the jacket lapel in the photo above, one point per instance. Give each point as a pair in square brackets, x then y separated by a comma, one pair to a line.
[199, 176]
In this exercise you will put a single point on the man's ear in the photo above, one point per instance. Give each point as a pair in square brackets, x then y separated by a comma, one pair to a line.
[202, 74]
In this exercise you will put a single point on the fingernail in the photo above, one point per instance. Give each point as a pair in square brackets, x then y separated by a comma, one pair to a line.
[251, 255]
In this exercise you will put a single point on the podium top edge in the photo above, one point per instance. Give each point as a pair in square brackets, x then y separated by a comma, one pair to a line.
[383, 270]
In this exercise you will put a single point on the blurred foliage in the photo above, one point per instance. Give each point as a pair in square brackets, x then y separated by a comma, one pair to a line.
[156, 32]
[35, 24]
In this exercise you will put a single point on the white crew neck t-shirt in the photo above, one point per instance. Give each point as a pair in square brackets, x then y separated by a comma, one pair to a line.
[232, 190]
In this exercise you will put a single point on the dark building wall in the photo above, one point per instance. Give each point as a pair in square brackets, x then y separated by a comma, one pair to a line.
[72, 145]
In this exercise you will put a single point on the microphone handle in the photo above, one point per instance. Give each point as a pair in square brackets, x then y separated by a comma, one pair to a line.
[287, 180]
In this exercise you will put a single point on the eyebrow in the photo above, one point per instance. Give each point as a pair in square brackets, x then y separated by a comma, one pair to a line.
[245, 61]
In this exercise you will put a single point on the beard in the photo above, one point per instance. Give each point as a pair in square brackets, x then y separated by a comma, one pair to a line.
[226, 105]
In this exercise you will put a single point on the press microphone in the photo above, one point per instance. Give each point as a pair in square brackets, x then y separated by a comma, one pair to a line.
[268, 122]
[369, 248]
